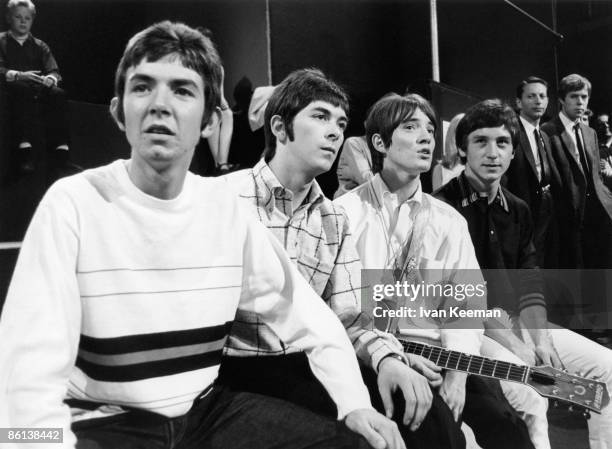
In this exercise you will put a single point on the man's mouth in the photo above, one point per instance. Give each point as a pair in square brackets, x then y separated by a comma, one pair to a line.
[330, 149]
[159, 129]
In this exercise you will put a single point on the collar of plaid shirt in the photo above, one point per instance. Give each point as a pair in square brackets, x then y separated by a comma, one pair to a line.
[269, 191]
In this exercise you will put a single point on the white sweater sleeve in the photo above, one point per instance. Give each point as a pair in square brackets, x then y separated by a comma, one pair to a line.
[273, 288]
[40, 323]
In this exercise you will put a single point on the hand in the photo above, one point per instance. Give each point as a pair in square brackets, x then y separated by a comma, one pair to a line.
[48, 81]
[380, 432]
[452, 392]
[31, 75]
[427, 368]
[547, 354]
[524, 352]
[393, 374]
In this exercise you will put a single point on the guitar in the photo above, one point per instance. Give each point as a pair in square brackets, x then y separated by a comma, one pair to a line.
[546, 380]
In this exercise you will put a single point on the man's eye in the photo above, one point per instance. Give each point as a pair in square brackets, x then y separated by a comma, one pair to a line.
[320, 116]
[140, 87]
[184, 92]
[342, 126]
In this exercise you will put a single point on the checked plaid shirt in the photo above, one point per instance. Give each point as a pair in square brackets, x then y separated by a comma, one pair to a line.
[317, 239]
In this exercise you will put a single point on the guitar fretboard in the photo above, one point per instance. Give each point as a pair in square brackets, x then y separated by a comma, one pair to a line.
[472, 364]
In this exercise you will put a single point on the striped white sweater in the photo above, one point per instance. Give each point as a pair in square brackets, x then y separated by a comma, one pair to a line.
[125, 300]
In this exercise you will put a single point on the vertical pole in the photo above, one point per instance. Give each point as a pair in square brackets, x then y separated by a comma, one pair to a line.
[556, 46]
[268, 43]
[435, 57]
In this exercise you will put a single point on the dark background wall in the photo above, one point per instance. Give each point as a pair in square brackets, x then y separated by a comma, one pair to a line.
[87, 37]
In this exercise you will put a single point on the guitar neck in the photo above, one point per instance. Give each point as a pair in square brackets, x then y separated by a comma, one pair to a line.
[472, 364]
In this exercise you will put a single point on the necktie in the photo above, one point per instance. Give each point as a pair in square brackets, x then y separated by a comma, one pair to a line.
[545, 169]
[581, 153]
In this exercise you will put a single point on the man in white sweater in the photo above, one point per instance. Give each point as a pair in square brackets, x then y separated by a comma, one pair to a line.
[129, 279]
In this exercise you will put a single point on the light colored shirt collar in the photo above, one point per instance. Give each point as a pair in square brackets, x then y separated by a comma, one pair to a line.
[272, 189]
[529, 128]
[384, 194]
[20, 40]
[567, 123]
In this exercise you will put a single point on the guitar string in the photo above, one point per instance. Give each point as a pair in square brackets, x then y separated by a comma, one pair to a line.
[486, 365]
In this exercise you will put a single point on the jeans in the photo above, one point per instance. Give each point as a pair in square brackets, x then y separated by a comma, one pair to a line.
[222, 419]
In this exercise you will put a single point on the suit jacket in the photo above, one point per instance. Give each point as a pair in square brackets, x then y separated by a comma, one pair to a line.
[571, 203]
[522, 176]
[573, 178]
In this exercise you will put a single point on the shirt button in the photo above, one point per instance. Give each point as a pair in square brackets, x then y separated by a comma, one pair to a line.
[492, 233]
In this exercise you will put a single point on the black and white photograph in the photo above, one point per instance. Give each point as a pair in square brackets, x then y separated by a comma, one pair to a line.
[295, 224]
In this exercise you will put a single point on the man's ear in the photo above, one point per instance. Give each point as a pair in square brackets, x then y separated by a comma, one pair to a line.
[114, 110]
[518, 103]
[462, 153]
[278, 128]
[378, 144]
[213, 122]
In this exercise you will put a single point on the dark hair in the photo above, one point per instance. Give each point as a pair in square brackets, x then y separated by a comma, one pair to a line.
[294, 93]
[491, 113]
[387, 114]
[194, 50]
[529, 80]
[572, 83]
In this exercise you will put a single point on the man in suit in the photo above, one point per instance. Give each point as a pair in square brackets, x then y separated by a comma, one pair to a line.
[584, 209]
[532, 175]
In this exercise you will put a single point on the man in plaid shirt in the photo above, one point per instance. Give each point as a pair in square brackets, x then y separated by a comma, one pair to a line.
[304, 125]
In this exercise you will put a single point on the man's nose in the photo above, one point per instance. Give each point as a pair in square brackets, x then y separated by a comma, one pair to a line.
[334, 131]
[491, 150]
[159, 102]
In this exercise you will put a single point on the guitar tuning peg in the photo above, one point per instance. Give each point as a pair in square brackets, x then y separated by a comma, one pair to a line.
[586, 414]
[555, 404]
[570, 408]
[580, 374]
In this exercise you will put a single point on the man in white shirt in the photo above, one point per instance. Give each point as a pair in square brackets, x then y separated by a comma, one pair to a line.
[130, 276]
[399, 228]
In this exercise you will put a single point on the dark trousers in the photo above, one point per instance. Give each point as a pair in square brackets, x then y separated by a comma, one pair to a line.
[222, 419]
[545, 235]
[495, 423]
[289, 377]
[26, 100]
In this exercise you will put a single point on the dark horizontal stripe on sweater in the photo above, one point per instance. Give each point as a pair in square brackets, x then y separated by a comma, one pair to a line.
[158, 340]
[149, 370]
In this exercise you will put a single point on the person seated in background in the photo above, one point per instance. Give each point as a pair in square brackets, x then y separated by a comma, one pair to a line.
[604, 136]
[586, 117]
[450, 165]
[501, 229]
[247, 145]
[412, 235]
[220, 139]
[304, 123]
[128, 282]
[31, 75]
[354, 165]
